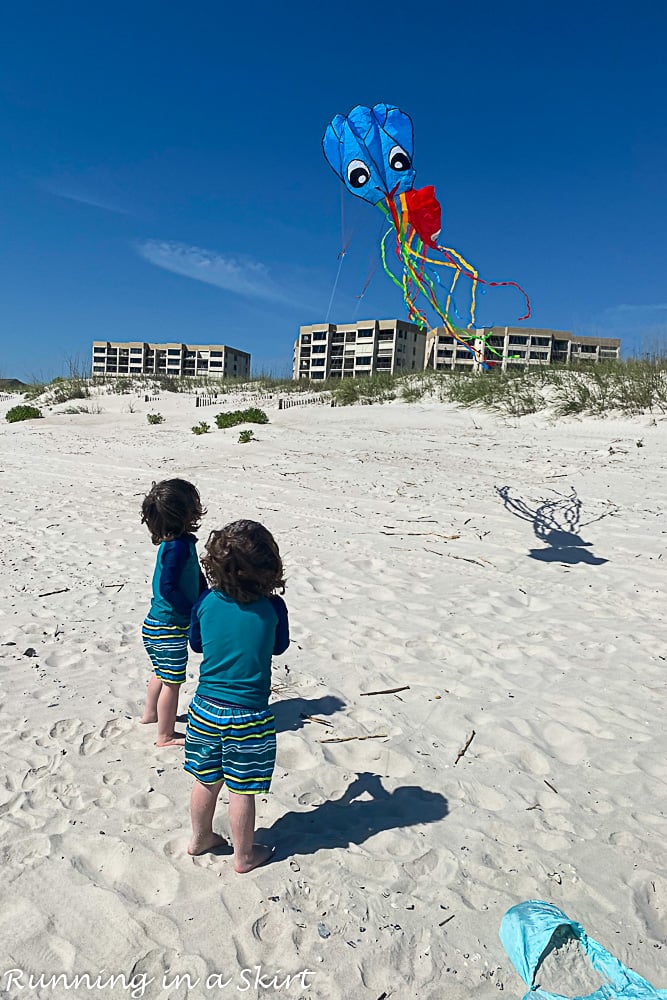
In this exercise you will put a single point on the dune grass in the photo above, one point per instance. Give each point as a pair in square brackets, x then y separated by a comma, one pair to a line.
[628, 387]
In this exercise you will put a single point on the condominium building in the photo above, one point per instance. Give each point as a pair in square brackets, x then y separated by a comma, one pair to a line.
[136, 358]
[328, 350]
[511, 346]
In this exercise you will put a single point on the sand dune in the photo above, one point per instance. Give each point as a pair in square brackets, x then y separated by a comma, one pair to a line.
[509, 572]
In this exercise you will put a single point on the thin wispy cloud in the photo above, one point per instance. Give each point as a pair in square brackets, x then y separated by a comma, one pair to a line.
[627, 314]
[240, 275]
[82, 198]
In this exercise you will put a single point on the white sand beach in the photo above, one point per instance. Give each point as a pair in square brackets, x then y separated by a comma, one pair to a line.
[508, 574]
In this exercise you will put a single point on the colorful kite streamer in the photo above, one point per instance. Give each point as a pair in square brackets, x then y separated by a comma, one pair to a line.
[371, 150]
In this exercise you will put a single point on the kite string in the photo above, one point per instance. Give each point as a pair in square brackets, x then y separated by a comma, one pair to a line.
[341, 258]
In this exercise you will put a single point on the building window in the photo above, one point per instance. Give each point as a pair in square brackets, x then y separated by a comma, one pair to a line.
[319, 349]
[350, 338]
[364, 361]
[318, 362]
[305, 338]
[365, 332]
[384, 335]
[539, 341]
[320, 335]
[518, 340]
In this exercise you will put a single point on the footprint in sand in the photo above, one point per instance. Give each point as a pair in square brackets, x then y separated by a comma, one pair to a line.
[116, 777]
[650, 897]
[294, 754]
[421, 866]
[122, 868]
[65, 730]
[31, 849]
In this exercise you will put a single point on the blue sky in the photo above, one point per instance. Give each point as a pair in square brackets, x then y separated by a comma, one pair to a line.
[161, 173]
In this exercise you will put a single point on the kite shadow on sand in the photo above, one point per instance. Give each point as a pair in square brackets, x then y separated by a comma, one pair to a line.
[556, 524]
[350, 819]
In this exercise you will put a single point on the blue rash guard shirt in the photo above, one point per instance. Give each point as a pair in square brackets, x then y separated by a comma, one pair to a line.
[177, 581]
[238, 641]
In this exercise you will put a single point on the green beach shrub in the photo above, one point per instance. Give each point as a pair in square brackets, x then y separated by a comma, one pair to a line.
[22, 412]
[246, 436]
[201, 428]
[252, 415]
[155, 418]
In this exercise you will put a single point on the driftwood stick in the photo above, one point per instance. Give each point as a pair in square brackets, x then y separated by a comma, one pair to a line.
[367, 694]
[50, 593]
[550, 786]
[346, 739]
[313, 718]
[462, 751]
[120, 586]
[446, 920]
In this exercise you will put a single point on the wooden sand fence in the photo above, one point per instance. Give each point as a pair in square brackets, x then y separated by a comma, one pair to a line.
[211, 399]
[285, 402]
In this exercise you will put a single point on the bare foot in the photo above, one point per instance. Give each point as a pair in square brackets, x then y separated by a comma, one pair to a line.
[145, 719]
[209, 845]
[175, 740]
[259, 855]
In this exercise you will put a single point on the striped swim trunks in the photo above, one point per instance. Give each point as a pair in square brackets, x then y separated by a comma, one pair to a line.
[232, 744]
[167, 647]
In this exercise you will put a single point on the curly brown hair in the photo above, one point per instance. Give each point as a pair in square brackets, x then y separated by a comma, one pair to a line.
[242, 560]
[172, 508]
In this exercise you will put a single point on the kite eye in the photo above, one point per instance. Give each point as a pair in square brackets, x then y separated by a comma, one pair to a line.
[399, 159]
[358, 173]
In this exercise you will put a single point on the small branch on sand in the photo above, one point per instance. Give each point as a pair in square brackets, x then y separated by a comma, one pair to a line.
[463, 750]
[435, 534]
[120, 586]
[346, 739]
[313, 718]
[475, 561]
[446, 920]
[367, 694]
[50, 593]
[550, 786]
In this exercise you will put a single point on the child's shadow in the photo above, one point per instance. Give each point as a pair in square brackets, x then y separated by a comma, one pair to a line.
[344, 821]
[291, 713]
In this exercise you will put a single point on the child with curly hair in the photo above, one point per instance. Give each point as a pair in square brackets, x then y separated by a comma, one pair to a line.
[172, 511]
[239, 624]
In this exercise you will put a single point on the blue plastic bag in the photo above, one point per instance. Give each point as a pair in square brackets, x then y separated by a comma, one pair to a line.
[526, 931]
